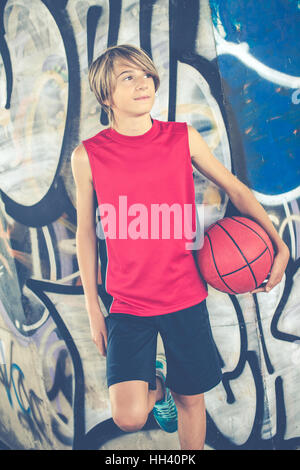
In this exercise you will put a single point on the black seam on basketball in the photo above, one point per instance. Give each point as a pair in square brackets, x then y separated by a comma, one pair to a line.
[240, 252]
[248, 226]
[236, 270]
[212, 252]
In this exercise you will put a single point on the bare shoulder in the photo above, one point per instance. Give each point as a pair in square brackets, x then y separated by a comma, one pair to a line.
[80, 165]
[196, 141]
[79, 155]
[193, 133]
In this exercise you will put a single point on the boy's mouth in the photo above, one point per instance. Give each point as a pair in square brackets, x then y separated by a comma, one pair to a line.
[142, 98]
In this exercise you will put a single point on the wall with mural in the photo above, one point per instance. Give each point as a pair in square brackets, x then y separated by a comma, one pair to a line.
[230, 69]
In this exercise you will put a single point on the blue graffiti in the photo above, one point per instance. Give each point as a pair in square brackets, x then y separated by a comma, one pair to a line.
[259, 66]
[9, 382]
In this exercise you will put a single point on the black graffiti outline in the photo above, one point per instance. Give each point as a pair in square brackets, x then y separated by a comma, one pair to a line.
[56, 201]
[40, 288]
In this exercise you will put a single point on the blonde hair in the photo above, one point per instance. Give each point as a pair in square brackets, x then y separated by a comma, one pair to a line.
[101, 72]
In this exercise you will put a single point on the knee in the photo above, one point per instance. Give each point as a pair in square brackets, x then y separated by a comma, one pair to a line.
[189, 401]
[130, 420]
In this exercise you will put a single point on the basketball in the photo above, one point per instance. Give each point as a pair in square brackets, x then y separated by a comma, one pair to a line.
[236, 256]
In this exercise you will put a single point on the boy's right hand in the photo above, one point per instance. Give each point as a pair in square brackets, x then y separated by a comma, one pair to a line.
[98, 330]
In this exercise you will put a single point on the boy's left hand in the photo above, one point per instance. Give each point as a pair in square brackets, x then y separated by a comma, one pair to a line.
[278, 268]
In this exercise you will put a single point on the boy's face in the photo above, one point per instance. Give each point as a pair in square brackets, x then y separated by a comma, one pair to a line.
[134, 90]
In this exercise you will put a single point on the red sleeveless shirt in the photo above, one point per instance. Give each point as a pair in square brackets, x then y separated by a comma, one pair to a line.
[146, 200]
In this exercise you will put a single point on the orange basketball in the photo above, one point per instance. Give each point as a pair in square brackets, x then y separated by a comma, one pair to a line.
[237, 255]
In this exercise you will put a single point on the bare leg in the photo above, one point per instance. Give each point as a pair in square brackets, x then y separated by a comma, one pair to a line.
[191, 421]
[132, 401]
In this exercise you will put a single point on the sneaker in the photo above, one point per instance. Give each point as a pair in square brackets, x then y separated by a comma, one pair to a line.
[165, 411]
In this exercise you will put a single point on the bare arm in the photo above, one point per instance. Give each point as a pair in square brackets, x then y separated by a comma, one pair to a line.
[86, 243]
[242, 197]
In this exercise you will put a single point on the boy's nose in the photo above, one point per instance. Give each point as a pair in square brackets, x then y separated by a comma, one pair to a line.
[142, 83]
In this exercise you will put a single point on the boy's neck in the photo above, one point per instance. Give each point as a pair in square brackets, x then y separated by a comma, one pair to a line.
[133, 126]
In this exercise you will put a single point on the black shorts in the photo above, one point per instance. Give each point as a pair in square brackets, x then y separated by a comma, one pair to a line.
[193, 363]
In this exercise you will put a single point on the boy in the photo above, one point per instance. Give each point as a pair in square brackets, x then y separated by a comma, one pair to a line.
[153, 281]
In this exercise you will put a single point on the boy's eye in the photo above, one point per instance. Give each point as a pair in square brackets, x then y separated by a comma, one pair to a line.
[129, 77]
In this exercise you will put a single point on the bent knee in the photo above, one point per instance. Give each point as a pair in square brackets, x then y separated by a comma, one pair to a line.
[130, 421]
[188, 401]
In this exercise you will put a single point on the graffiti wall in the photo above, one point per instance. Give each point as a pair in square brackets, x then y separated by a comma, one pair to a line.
[231, 70]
